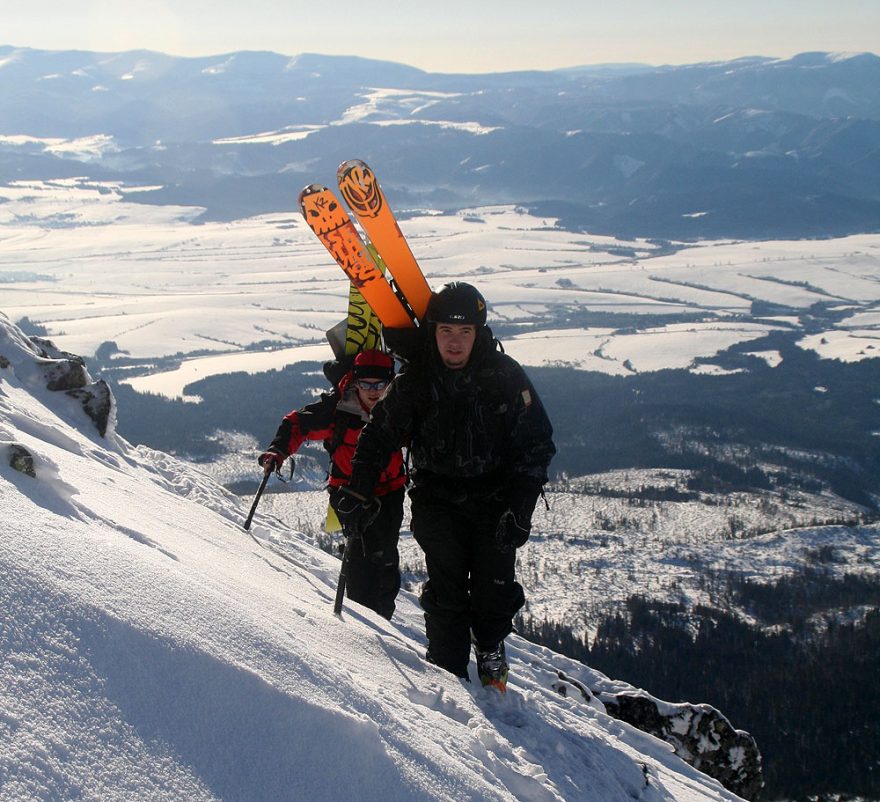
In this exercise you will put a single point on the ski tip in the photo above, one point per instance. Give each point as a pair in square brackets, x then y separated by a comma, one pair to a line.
[349, 165]
[311, 189]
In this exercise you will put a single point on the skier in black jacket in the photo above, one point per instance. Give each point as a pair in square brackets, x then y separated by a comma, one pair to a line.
[480, 443]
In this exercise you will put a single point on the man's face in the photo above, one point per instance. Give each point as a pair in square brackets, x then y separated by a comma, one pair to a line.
[370, 391]
[455, 341]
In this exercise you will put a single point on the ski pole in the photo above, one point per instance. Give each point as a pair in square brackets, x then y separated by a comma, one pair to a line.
[247, 523]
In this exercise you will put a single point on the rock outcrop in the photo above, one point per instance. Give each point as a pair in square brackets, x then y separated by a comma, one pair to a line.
[699, 734]
[21, 459]
[38, 360]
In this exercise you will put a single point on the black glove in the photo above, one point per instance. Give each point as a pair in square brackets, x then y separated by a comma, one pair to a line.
[515, 524]
[510, 533]
[356, 513]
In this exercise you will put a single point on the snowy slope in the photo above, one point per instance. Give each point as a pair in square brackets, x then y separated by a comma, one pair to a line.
[152, 650]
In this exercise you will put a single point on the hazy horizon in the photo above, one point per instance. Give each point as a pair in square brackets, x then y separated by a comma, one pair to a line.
[455, 37]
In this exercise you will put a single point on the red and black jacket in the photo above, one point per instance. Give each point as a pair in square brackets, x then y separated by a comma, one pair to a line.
[337, 418]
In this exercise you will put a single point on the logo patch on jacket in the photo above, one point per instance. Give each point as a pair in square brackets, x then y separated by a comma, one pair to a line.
[527, 398]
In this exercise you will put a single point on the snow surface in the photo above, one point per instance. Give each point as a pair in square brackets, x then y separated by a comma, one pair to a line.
[153, 650]
[380, 107]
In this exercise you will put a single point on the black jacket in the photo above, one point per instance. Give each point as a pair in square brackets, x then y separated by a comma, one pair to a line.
[480, 427]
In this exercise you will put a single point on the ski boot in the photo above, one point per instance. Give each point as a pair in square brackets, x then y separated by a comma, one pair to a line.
[492, 667]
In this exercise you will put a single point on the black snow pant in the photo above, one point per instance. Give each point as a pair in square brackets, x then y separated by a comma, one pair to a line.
[373, 575]
[471, 593]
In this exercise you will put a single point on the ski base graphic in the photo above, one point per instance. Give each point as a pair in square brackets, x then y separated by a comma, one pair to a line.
[332, 225]
[364, 196]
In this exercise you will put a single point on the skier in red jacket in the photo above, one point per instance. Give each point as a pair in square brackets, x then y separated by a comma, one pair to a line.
[373, 575]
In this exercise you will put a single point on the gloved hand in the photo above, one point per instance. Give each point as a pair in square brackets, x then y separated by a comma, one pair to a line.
[510, 533]
[271, 461]
[356, 513]
[515, 524]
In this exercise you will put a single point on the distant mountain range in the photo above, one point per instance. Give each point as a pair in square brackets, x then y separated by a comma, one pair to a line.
[751, 148]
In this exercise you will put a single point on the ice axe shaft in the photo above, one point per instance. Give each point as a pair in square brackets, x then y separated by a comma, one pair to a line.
[262, 487]
[343, 573]
[350, 538]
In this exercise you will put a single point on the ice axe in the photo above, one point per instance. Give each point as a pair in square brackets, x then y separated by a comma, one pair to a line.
[261, 488]
[350, 537]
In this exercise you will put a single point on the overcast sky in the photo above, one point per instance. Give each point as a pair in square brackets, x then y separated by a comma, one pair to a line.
[453, 35]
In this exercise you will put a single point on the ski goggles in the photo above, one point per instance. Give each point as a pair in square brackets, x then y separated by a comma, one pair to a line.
[377, 385]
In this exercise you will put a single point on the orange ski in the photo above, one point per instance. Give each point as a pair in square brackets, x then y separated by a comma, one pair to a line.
[365, 198]
[332, 225]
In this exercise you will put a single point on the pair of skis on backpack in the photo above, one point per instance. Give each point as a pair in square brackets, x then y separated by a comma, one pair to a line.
[374, 301]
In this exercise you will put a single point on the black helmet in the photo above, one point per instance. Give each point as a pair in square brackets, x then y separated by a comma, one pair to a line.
[457, 302]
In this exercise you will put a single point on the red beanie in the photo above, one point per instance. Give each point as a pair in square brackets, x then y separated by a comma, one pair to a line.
[373, 365]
